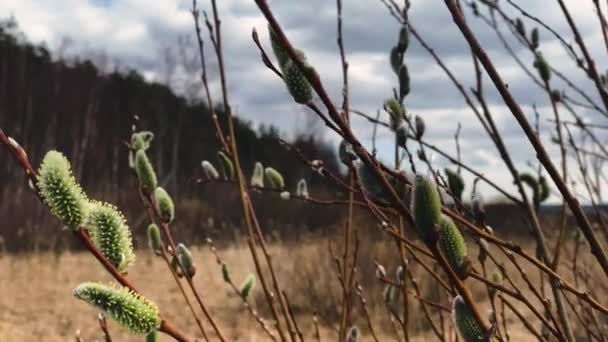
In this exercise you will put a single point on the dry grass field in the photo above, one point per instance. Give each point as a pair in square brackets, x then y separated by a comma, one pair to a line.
[36, 302]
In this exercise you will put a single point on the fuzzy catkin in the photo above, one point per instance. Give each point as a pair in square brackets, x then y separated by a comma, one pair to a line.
[111, 234]
[465, 321]
[145, 171]
[426, 207]
[129, 309]
[275, 179]
[60, 191]
[164, 205]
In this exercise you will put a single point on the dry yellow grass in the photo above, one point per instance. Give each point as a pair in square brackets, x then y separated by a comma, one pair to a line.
[36, 302]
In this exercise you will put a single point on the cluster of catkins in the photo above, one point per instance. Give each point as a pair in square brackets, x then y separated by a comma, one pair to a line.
[261, 176]
[110, 233]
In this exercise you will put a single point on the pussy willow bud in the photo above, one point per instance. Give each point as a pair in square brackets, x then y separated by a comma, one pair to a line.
[544, 71]
[478, 206]
[152, 337]
[346, 153]
[388, 294]
[421, 155]
[164, 205]
[534, 38]
[225, 166]
[396, 59]
[302, 190]
[519, 27]
[452, 244]
[380, 272]
[396, 112]
[297, 84]
[141, 140]
[285, 195]
[404, 81]
[257, 179]
[111, 234]
[175, 266]
[279, 52]
[404, 39]
[210, 170]
[127, 308]
[426, 208]
[60, 191]
[155, 242]
[465, 321]
[420, 127]
[275, 179]
[400, 275]
[145, 171]
[455, 183]
[247, 286]
[225, 273]
[496, 277]
[185, 256]
[353, 334]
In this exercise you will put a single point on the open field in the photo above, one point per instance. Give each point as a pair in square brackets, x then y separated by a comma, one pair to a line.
[36, 302]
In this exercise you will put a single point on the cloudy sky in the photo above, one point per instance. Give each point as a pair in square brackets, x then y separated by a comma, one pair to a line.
[133, 33]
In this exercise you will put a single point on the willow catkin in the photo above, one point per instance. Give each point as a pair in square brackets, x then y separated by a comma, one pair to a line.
[257, 179]
[111, 234]
[426, 208]
[275, 179]
[145, 171]
[127, 308]
[465, 321]
[164, 205]
[60, 191]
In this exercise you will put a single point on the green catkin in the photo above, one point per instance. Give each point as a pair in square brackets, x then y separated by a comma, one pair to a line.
[210, 170]
[404, 39]
[426, 208]
[296, 82]
[226, 166]
[185, 256]
[129, 309]
[279, 52]
[544, 71]
[302, 189]
[497, 278]
[141, 140]
[420, 127]
[353, 334]
[111, 234]
[465, 321]
[225, 273]
[257, 179]
[452, 244]
[455, 183]
[275, 179]
[396, 58]
[519, 27]
[152, 337]
[175, 266]
[247, 286]
[404, 81]
[145, 171]
[396, 112]
[388, 294]
[155, 242]
[60, 191]
[164, 205]
[534, 38]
